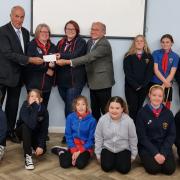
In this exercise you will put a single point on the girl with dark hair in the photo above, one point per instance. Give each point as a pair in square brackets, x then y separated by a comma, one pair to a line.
[115, 138]
[70, 80]
[79, 132]
[156, 134]
[165, 65]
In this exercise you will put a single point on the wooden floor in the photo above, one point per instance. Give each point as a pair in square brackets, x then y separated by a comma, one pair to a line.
[47, 168]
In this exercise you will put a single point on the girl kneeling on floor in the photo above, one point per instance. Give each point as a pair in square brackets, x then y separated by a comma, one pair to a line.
[32, 127]
[79, 133]
[156, 134]
[115, 138]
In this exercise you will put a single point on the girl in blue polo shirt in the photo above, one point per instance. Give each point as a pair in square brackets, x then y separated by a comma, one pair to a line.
[165, 65]
[156, 133]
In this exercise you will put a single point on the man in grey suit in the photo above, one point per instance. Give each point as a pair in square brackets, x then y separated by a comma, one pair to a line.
[13, 43]
[99, 68]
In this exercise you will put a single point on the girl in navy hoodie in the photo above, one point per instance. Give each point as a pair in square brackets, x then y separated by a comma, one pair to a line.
[156, 134]
[32, 127]
[79, 133]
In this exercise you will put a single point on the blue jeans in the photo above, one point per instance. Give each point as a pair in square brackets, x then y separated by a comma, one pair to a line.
[68, 95]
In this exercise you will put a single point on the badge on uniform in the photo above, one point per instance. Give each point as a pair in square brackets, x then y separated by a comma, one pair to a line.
[147, 61]
[149, 122]
[165, 125]
[171, 60]
[39, 50]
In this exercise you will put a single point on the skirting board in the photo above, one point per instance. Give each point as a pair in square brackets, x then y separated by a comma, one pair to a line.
[60, 129]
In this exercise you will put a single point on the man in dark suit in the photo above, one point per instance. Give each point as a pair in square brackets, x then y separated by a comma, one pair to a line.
[13, 42]
[99, 68]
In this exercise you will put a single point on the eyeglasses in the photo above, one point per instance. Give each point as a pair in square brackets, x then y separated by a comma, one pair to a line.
[45, 32]
[69, 29]
[93, 29]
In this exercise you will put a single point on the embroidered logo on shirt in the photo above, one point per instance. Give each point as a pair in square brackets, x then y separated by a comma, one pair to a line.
[147, 61]
[149, 122]
[171, 60]
[165, 125]
[39, 50]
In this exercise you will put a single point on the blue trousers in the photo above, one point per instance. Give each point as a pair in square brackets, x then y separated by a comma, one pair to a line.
[68, 95]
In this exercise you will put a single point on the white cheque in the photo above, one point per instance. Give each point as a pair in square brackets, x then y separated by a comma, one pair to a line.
[49, 58]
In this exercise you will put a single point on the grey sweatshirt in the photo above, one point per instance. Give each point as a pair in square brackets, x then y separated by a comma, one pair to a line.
[116, 135]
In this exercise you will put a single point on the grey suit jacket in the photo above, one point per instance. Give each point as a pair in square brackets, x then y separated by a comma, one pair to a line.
[99, 65]
[12, 57]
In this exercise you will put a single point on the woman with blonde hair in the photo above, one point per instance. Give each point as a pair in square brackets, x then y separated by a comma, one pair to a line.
[138, 69]
[40, 76]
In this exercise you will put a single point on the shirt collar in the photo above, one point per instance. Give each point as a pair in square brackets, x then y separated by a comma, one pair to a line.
[15, 28]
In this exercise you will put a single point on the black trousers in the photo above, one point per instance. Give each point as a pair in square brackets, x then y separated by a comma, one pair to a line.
[65, 160]
[152, 167]
[29, 139]
[135, 100]
[119, 161]
[99, 99]
[177, 123]
[11, 105]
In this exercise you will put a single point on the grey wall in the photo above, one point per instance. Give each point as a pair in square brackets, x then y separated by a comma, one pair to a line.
[162, 17]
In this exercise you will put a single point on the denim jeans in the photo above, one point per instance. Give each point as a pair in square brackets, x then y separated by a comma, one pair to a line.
[68, 95]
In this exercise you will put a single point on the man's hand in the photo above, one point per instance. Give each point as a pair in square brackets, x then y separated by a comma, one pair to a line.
[63, 62]
[35, 60]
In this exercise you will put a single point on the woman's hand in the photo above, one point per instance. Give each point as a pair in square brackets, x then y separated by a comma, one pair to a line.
[50, 72]
[51, 64]
[58, 56]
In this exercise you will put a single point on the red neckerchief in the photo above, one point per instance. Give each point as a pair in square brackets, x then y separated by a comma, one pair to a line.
[165, 61]
[156, 112]
[44, 48]
[68, 45]
[81, 116]
[139, 56]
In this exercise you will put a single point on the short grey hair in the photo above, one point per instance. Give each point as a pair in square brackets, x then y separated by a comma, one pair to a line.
[102, 25]
[15, 8]
[39, 27]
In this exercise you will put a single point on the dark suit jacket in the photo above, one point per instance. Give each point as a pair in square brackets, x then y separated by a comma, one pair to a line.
[12, 57]
[99, 65]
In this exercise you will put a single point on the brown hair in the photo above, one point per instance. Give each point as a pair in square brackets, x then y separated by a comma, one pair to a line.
[132, 49]
[37, 91]
[156, 86]
[75, 24]
[80, 98]
[167, 36]
[119, 100]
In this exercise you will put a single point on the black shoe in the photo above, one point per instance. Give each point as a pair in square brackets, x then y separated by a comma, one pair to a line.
[63, 140]
[47, 138]
[13, 138]
[58, 150]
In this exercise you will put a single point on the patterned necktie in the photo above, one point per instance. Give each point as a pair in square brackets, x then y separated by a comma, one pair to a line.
[18, 32]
